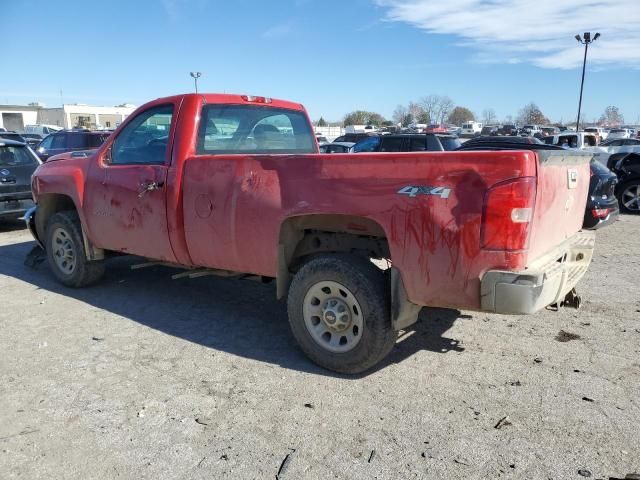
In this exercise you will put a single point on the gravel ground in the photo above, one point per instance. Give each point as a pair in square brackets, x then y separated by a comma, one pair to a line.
[145, 377]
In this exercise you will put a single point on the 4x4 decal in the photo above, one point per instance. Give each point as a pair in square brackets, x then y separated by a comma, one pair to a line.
[415, 190]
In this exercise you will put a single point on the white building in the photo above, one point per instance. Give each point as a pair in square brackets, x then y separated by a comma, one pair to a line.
[15, 117]
[82, 115]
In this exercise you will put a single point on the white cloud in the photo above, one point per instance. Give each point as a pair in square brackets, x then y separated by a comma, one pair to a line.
[539, 32]
[279, 30]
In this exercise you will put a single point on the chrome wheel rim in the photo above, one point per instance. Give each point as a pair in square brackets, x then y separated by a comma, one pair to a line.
[63, 251]
[631, 197]
[333, 316]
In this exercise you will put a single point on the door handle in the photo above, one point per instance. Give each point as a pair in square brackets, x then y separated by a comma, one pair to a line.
[148, 187]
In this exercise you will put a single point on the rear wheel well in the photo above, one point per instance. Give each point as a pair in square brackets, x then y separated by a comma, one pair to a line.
[306, 236]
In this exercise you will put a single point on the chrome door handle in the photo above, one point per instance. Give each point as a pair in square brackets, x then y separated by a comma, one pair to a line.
[148, 187]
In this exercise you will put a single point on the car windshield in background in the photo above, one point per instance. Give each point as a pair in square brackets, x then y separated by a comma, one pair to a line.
[252, 129]
[450, 143]
[14, 156]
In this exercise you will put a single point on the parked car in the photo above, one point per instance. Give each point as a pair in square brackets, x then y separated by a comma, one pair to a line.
[628, 189]
[490, 231]
[500, 140]
[579, 140]
[531, 131]
[550, 131]
[600, 133]
[602, 205]
[437, 128]
[412, 142]
[618, 133]
[69, 141]
[508, 129]
[353, 137]
[42, 129]
[321, 139]
[33, 139]
[471, 129]
[490, 130]
[336, 147]
[16, 137]
[17, 164]
[609, 152]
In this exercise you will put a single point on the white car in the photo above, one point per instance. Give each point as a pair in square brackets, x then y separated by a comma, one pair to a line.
[614, 149]
[600, 132]
[42, 129]
[471, 129]
[577, 140]
[619, 133]
[531, 130]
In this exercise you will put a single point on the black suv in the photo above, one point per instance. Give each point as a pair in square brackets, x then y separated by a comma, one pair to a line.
[17, 164]
[412, 142]
[70, 141]
[354, 137]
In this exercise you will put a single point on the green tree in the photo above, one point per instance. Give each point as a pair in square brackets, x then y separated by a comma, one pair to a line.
[362, 117]
[321, 122]
[460, 115]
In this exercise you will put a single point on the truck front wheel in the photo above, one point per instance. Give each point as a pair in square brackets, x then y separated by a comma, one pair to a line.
[65, 252]
[339, 313]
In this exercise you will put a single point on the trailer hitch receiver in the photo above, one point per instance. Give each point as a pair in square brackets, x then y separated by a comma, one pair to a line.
[572, 300]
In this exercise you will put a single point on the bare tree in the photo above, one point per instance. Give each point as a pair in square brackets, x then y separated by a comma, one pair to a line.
[611, 116]
[444, 106]
[402, 116]
[416, 111]
[531, 114]
[488, 116]
[429, 105]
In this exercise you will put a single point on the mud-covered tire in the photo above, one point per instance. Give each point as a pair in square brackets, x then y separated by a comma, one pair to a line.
[64, 241]
[366, 286]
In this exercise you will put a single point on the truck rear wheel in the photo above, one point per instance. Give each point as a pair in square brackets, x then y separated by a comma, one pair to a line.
[339, 313]
[65, 252]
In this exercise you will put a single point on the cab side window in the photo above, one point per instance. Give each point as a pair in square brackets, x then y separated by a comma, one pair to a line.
[145, 139]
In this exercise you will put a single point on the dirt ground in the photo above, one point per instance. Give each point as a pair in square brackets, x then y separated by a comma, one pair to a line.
[146, 377]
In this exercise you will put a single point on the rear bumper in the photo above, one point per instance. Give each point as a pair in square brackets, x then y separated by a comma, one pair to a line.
[593, 223]
[545, 282]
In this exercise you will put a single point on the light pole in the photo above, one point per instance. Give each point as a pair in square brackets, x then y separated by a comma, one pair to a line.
[587, 40]
[196, 76]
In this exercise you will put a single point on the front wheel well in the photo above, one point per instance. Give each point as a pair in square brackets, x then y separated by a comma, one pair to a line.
[48, 205]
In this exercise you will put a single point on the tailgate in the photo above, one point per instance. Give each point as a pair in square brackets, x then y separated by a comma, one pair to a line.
[561, 198]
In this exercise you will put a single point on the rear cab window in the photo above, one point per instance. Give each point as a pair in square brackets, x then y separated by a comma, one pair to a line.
[233, 129]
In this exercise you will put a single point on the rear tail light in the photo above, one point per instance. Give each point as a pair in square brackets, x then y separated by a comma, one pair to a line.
[507, 214]
[254, 99]
[600, 212]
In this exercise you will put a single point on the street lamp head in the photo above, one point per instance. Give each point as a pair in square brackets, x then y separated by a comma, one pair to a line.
[596, 37]
[195, 74]
[579, 38]
[587, 37]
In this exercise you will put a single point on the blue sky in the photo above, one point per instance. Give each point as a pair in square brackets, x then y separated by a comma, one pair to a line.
[333, 56]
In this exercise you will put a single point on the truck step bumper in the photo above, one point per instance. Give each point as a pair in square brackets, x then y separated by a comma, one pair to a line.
[545, 282]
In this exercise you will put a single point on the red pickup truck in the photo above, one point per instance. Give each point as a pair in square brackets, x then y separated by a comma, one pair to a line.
[234, 185]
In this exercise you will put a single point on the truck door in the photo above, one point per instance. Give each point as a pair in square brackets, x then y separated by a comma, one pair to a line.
[125, 198]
